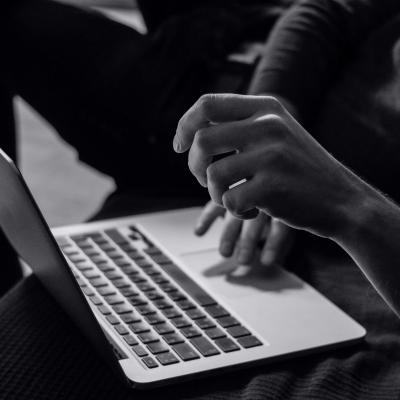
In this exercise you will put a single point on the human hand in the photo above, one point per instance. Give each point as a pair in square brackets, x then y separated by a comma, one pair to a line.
[242, 238]
[280, 168]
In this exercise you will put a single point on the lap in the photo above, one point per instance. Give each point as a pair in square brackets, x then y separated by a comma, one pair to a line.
[42, 355]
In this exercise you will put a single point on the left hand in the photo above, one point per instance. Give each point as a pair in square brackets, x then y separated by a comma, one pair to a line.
[242, 238]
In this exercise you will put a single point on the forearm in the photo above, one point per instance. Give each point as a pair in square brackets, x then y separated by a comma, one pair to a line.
[310, 45]
[371, 237]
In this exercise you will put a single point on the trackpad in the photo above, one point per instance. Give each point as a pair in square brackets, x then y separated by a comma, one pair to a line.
[232, 281]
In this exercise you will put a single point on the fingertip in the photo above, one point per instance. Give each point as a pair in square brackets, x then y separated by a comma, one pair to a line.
[268, 258]
[225, 249]
[244, 256]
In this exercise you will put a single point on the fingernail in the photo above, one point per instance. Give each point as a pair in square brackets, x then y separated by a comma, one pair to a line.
[225, 249]
[244, 256]
[267, 258]
[177, 145]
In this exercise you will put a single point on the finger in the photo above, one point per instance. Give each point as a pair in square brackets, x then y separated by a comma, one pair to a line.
[209, 214]
[252, 231]
[230, 235]
[241, 200]
[216, 108]
[277, 244]
[228, 172]
[215, 140]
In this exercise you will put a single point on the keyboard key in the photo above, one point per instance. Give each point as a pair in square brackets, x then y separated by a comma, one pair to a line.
[162, 304]
[128, 292]
[185, 351]
[249, 341]
[97, 259]
[121, 329]
[147, 337]
[116, 236]
[106, 247]
[112, 319]
[238, 331]
[137, 278]
[204, 346]
[97, 282]
[145, 286]
[152, 251]
[154, 295]
[114, 254]
[84, 266]
[173, 338]
[122, 263]
[195, 313]
[171, 313]
[185, 304]
[105, 267]
[130, 270]
[216, 311]
[146, 309]
[106, 291]
[137, 301]
[121, 283]
[153, 319]
[114, 299]
[190, 332]
[122, 308]
[168, 287]
[163, 328]
[96, 300]
[226, 345]
[138, 327]
[177, 295]
[215, 333]
[63, 241]
[92, 273]
[139, 350]
[88, 291]
[76, 258]
[160, 259]
[104, 310]
[113, 275]
[226, 322]
[151, 271]
[130, 340]
[188, 284]
[131, 317]
[204, 323]
[159, 279]
[157, 347]
[142, 262]
[167, 358]
[149, 362]
[180, 322]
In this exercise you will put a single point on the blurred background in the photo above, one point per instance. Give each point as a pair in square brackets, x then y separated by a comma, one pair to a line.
[67, 191]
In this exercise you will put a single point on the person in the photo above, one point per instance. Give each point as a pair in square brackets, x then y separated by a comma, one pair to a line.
[275, 167]
[304, 62]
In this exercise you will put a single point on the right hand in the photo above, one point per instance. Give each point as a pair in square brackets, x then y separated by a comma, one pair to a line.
[242, 238]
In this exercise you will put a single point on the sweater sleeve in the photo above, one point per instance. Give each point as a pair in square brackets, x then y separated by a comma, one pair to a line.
[309, 46]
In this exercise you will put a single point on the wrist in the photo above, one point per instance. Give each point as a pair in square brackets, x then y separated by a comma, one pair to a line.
[364, 213]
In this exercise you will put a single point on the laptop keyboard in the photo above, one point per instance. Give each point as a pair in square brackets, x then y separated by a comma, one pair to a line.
[160, 312]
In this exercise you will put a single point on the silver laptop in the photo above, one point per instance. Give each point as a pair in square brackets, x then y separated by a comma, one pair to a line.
[160, 304]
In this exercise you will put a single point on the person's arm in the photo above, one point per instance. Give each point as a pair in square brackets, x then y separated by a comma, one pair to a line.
[285, 173]
[311, 44]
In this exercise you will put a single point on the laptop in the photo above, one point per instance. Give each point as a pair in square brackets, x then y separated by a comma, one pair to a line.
[159, 304]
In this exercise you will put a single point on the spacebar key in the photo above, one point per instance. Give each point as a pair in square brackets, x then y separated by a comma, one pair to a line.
[187, 284]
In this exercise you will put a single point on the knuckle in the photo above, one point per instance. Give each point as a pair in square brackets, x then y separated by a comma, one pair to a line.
[213, 174]
[205, 102]
[273, 104]
[200, 139]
